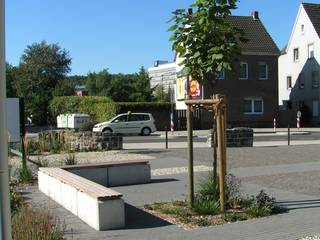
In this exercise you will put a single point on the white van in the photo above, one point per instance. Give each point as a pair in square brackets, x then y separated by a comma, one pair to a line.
[128, 123]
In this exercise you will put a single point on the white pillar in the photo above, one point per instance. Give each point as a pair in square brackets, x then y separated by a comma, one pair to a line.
[5, 218]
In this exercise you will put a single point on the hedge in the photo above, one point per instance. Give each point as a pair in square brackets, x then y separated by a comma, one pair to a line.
[99, 108]
[141, 106]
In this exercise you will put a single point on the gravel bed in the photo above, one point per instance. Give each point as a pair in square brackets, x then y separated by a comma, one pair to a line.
[311, 238]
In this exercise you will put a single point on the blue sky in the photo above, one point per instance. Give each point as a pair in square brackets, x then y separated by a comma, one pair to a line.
[119, 35]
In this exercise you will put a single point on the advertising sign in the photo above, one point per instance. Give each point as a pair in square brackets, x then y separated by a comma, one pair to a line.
[194, 88]
[181, 92]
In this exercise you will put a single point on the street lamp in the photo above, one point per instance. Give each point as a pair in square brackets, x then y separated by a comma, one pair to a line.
[5, 216]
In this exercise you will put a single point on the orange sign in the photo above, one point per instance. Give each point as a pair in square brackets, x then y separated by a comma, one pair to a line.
[194, 88]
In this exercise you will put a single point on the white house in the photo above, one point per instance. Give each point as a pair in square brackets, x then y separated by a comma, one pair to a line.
[163, 73]
[299, 64]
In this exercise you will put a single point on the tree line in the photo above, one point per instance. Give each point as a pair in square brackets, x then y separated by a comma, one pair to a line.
[43, 73]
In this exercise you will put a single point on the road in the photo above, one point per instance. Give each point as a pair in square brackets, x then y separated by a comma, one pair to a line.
[261, 137]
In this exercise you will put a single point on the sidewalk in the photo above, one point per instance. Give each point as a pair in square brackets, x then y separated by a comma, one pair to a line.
[302, 220]
[256, 131]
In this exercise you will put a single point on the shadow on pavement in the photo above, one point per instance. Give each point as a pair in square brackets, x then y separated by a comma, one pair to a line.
[163, 180]
[139, 219]
[300, 204]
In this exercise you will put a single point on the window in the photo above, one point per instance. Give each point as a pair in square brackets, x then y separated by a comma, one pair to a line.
[263, 71]
[302, 28]
[221, 75]
[315, 79]
[315, 108]
[123, 118]
[296, 54]
[310, 51]
[301, 81]
[289, 82]
[243, 70]
[253, 106]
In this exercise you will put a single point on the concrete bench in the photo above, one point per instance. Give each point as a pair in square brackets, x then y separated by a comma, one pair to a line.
[83, 190]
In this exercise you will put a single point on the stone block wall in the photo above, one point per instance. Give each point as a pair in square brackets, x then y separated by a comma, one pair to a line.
[90, 141]
[237, 137]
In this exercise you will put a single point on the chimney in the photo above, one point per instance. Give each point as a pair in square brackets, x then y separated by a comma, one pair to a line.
[255, 15]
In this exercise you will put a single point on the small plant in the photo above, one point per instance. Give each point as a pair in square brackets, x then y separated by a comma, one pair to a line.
[16, 199]
[70, 159]
[261, 205]
[25, 175]
[233, 191]
[33, 225]
[206, 207]
[236, 216]
[43, 162]
[207, 189]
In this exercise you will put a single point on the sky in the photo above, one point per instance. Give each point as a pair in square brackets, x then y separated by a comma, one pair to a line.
[120, 36]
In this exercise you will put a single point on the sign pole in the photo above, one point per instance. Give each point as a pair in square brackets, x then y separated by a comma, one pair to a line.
[5, 219]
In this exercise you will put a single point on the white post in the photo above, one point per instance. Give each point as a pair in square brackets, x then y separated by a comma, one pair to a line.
[5, 218]
[274, 125]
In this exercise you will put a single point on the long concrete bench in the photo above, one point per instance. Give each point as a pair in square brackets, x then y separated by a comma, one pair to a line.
[83, 190]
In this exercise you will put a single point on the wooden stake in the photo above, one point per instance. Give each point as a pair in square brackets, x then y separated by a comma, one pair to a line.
[190, 156]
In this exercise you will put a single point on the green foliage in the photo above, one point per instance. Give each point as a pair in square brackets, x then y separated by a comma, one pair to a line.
[26, 175]
[141, 106]
[120, 87]
[161, 94]
[32, 225]
[236, 216]
[41, 68]
[207, 189]
[206, 207]
[11, 75]
[205, 40]
[16, 199]
[70, 159]
[99, 108]
[261, 205]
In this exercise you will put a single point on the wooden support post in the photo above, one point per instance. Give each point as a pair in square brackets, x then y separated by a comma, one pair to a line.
[190, 156]
[220, 155]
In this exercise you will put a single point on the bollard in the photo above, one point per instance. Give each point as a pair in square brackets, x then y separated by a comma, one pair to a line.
[288, 134]
[166, 138]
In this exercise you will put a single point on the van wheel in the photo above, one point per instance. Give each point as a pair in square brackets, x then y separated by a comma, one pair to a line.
[107, 130]
[146, 131]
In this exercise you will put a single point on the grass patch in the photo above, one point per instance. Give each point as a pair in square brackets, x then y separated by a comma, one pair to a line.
[33, 225]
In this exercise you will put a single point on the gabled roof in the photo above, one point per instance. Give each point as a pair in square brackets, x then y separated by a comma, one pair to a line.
[313, 11]
[259, 40]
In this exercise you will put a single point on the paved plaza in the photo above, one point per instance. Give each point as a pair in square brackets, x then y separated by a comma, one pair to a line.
[289, 173]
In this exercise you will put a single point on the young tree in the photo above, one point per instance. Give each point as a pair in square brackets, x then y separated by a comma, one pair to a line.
[41, 68]
[141, 84]
[204, 39]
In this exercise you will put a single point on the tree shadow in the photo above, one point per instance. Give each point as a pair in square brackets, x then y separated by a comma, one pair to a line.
[136, 218]
[299, 204]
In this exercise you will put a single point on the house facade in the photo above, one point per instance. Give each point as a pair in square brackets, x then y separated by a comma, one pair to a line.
[163, 73]
[299, 68]
[251, 89]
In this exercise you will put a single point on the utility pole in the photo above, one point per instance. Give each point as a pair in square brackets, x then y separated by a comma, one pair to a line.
[5, 215]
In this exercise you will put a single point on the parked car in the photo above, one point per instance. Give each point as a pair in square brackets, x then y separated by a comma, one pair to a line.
[128, 123]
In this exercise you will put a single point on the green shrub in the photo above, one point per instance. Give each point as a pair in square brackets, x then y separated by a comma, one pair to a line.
[141, 106]
[261, 205]
[207, 189]
[16, 199]
[233, 191]
[25, 175]
[205, 207]
[99, 108]
[33, 225]
[70, 159]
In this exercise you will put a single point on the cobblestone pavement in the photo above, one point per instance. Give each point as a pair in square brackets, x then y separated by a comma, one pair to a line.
[288, 173]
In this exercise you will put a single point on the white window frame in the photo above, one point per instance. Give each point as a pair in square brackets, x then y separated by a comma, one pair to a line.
[296, 54]
[267, 76]
[253, 99]
[309, 52]
[247, 71]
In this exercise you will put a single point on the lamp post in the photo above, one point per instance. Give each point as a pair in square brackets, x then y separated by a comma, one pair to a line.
[5, 219]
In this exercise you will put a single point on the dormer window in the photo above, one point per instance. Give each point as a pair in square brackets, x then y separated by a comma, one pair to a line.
[296, 54]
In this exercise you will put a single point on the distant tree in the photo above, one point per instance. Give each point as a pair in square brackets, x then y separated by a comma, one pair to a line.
[204, 39]
[66, 86]
[141, 84]
[42, 66]
[11, 75]
[161, 94]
